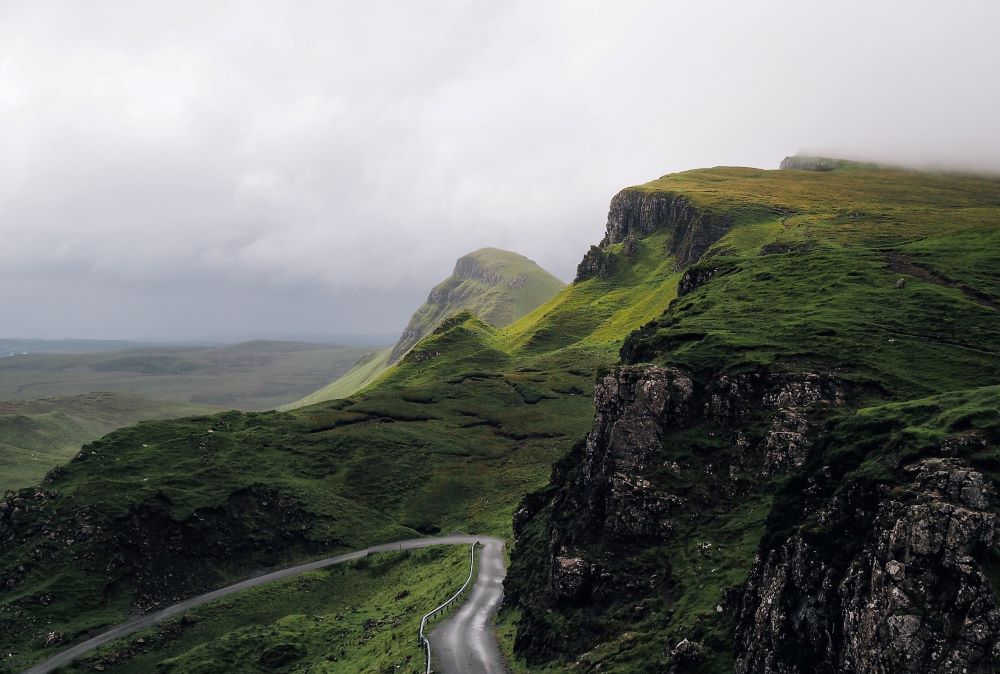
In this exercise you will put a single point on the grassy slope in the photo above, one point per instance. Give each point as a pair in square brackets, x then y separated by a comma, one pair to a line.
[495, 302]
[357, 618]
[829, 304]
[36, 435]
[250, 376]
[450, 440]
[364, 372]
[474, 416]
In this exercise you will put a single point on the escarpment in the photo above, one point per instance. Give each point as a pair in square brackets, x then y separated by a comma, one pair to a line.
[636, 212]
[912, 594]
[667, 453]
[794, 468]
[883, 573]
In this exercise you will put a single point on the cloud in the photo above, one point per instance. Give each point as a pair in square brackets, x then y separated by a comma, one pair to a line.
[348, 152]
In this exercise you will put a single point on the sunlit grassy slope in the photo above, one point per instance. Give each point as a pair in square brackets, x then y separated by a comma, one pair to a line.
[449, 439]
[364, 372]
[473, 417]
[497, 285]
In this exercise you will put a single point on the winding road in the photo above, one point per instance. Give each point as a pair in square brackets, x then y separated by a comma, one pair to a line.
[465, 642]
[465, 638]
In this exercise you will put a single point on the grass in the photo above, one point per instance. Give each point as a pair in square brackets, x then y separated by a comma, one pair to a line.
[496, 285]
[359, 617]
[250, 376]
[805, 281]
[455, 435]
[37, 435]
[447, 441]
[364, 372]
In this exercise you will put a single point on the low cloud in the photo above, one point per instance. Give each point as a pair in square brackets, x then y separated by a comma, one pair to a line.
[296, 167]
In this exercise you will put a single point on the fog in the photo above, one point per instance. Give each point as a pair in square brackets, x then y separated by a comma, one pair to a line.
[193, 170]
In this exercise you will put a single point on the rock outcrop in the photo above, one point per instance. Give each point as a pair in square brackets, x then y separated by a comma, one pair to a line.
[638, 212]
[913, 597]
[612, 500]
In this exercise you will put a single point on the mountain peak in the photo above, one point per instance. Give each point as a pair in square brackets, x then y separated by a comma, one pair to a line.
[497, 285]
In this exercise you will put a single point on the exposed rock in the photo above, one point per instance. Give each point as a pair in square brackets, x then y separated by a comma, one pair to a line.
[54, 475]
[900, 283]
[785, 444]
[914, 597]
[685, 655]
[569, 578]
[630, 246]
[694, 278]
[596, 262]
[639, 212]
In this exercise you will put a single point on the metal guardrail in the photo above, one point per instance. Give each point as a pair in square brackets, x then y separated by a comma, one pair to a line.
[421, 638]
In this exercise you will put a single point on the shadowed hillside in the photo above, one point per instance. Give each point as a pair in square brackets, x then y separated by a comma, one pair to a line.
[807, 357]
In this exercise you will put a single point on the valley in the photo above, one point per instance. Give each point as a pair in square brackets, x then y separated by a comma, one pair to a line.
[56, 396]
[741, 371]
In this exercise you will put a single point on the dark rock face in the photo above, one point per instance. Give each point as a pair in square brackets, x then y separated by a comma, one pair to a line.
[695, 278]
[914, 597]
[608, 502]
[596, 262]
[637, 406]
[640, 212]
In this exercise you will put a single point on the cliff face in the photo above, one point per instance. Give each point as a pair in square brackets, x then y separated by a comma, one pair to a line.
[885, 576]
[763, 491]
[497, 285]
[912, 596]
[636, 212]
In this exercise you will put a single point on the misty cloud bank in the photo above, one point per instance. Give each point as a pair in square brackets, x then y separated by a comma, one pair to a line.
[290, 168]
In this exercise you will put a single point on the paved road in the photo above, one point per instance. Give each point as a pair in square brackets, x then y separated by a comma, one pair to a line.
[465, 643]
[150, 619]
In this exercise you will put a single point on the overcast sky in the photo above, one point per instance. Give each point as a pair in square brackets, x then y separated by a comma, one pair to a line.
[185, 170]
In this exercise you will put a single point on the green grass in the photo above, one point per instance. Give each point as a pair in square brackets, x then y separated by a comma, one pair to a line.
[496, 285]
[920, 361]
[447, 441]
[472, 419]
[512, 286]
[364, 372]
[359, 617]
[37, 435]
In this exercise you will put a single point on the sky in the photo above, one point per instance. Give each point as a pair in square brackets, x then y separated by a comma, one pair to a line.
[232, 170]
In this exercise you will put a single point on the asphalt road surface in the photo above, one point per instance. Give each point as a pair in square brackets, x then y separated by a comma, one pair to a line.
[465, 643]
[123, 630]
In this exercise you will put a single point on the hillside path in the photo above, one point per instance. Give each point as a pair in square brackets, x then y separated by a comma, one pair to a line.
[465, 643]
[150, 619]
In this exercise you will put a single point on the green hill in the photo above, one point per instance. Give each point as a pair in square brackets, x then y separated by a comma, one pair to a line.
[36, 435]
[778, 383]
[496, 285]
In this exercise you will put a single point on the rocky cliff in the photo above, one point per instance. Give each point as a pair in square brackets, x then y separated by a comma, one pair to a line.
[636, 212]
[753, 496]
